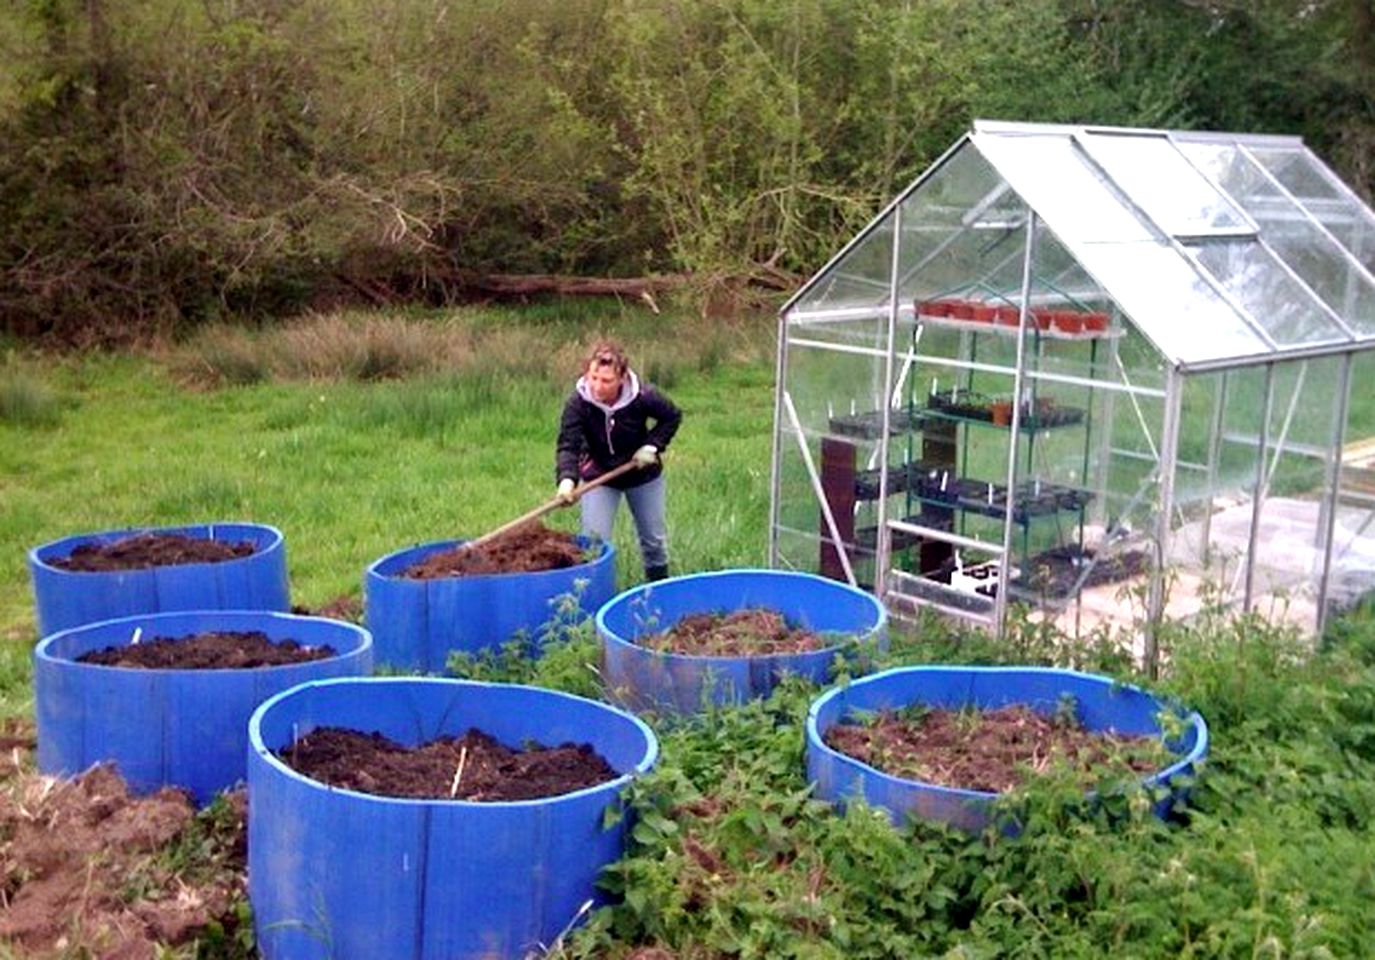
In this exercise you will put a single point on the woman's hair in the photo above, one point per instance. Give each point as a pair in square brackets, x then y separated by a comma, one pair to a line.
[607, 353]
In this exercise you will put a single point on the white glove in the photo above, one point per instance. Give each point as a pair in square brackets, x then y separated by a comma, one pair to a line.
[646, 456]
[566, 486]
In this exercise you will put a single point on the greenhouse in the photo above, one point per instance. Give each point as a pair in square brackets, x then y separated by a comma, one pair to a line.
[1111, 374]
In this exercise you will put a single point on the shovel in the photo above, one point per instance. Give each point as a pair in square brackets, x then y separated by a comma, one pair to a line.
[552, 505]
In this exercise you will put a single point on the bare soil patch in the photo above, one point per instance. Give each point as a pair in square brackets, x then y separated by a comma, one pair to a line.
[346, 606]
[990, 750]
[213, 650]
[745, 633]
[529, 548]
[85, 869]
[145, 550]
[471, 767]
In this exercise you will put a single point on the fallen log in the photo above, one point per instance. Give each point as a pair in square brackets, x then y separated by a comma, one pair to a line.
[528, 284]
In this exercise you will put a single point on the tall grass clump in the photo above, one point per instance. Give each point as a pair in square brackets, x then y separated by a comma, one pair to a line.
[26, 400]
[334, 346]
[225, 356]
[483, 346]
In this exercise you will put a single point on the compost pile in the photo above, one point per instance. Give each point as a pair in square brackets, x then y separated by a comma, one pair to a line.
[145, 550]
[745, 633]
[471, 767]
[529, 548]
[73, 850]
[990, 750]
[213, 650]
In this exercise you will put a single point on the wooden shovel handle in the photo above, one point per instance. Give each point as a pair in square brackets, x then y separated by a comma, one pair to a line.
[552, 505]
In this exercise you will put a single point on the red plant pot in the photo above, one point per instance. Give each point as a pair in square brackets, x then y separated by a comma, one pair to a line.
[1009, 316]
[933, 308]
[1096, 322]
[961, 310]
[1068, 321]
[984, 313]
[1043, 318]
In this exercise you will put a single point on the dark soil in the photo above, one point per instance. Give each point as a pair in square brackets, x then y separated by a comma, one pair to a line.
[745, 633]
[990, 750]
[528, 548]
[230, 650]
[472, 767]
[145, 550]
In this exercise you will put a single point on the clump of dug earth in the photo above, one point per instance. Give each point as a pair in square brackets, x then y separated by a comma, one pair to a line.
[73, 850]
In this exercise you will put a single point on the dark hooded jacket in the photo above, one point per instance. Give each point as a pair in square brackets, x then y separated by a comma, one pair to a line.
[595, 437]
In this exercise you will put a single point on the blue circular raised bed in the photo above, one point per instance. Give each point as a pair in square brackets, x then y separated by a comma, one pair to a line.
[67, 598]
[682, 683]
[182, 728]
[418, 623]
[337, 873]
[1101, 704]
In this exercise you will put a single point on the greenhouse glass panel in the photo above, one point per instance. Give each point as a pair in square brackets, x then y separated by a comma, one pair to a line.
[860, 277]
[1273, 297]
[963, 228]
[1352, 574]
[1309, 251]
[1331, 205]
[1172, 302]
[1291, 522]
[1053, 177]
[1165, 185]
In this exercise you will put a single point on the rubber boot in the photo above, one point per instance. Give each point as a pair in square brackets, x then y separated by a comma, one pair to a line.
[656, 573]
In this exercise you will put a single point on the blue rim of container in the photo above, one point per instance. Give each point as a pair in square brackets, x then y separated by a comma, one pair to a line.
[255, 743]
[880, 624]
[814, 738]
[61, 549]
[432, 547]
[143, 620]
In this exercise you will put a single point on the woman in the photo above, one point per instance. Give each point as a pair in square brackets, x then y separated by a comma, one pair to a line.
[611, 418]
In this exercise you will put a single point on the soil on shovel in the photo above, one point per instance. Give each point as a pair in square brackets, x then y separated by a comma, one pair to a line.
[745, 633]
[76, 851]
[529, 548]
[471, 767]
[150, 550]
[989, 750]
[226, 650]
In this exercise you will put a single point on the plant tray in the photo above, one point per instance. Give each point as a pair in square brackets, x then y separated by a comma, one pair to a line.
[869, 425]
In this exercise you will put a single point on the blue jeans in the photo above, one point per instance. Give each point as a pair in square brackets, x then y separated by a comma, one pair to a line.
[646, 506]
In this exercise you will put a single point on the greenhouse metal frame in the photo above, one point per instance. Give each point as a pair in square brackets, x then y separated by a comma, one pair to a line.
[1093, 371]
